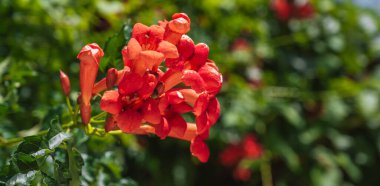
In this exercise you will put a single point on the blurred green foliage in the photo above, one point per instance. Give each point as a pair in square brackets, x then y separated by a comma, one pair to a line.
[308, 89]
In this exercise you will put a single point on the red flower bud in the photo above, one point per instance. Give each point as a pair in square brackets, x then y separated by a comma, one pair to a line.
[111, 77]
[181, 15]
[79, 99]
[85, 111]
[65, 83]
[186, 47]
[180, 23]
[200, 55]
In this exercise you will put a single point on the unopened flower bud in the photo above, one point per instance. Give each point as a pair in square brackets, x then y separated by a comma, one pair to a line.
[65, 83]
[79, 99]
[200, 55]
[111, 77]
[85, 112]
[186, 47]
[180, 23]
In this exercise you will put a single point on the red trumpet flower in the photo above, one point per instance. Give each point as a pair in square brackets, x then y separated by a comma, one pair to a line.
[152, 99]
[89, 58]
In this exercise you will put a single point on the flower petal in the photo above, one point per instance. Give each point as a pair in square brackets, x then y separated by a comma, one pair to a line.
[151, 58]
[199, 149]
[129, 120]
[150, 111]
[156, 32]
[111, 77]
[190, 95]
[172, 37]
[181, 108]
[205, 134]
[176, 64]
[130, 83]
[170, 79]
[133, 49]
[177, 123]
[162, 130]
[139, 30]
[213, 111]
[194, 80]
[92, 50]
[212, 78]
[149, 84]
[175, 97]
[111, 102]
[201, 122]
[201, 104]
[110, 124]
[163, 104]
[168, 49]
[200, 55]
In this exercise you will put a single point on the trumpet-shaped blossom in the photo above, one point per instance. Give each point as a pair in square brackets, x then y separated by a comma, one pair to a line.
[148, 98]
[89, 58]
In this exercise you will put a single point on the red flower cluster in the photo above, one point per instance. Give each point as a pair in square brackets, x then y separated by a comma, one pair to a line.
[248, 148]
[286, 10]
[151, 98]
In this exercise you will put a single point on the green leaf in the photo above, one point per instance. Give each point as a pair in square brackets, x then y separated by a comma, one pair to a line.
[349, 166]
[54, 127]
[24, 179]
[24, 162]
[112, 48]
[46, 166]
[56, 140]
[41, 153]
[78, 159]
[128, 182]
[31, 144]
[292, 115]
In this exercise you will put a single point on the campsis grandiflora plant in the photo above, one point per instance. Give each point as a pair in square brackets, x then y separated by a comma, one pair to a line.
[165, 76]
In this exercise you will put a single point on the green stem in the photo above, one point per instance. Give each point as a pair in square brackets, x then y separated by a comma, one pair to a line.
[73, 169]
[68, 103]
[75, 117]
[10, 142]
[115, 132]
[97, 121]
[100, 115]
[266, 172]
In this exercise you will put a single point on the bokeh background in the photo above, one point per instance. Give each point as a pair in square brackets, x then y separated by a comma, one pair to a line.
[300, 100]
